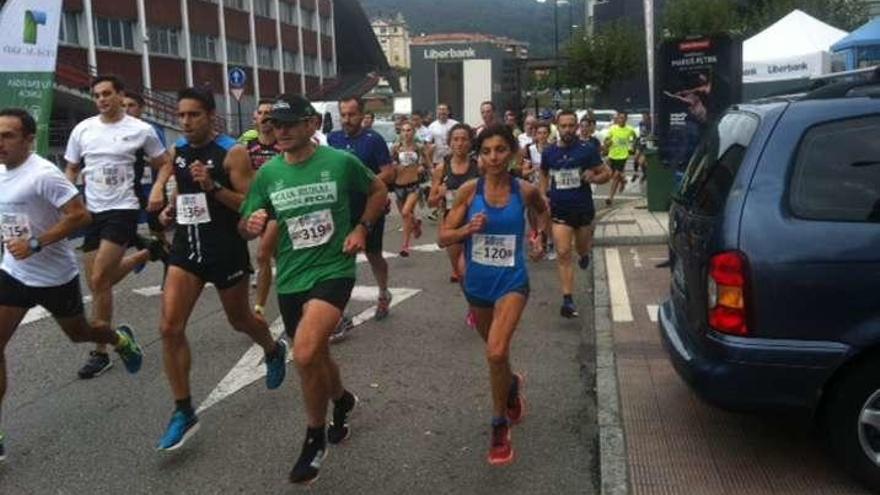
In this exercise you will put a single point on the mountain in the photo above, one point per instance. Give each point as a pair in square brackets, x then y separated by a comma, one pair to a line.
[524, 20]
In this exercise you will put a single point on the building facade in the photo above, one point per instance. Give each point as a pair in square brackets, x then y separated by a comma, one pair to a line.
[394, 38]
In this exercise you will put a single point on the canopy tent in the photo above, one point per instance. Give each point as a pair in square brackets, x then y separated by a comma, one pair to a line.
[862, 47]
[795, 47]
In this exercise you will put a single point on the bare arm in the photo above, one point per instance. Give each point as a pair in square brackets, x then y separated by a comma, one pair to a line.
[72, 171]
[386, 174]
[74, 216]
[454, 229]
[238, 164]
[357, 238]
[598, 175]
[162, 167]
[438, 190]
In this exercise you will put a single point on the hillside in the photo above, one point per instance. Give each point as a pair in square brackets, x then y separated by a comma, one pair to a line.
[524, 20]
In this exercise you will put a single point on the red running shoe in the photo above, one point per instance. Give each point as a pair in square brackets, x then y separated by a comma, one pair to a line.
[516, 400]
[454, 278]
[501, 450]
[471, 319]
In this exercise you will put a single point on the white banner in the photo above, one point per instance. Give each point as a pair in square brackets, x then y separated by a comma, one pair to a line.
[29, 35]
[801, 67]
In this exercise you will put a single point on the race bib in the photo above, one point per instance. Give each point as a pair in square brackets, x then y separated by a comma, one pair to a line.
[310, 230]
[192, 209]
[567, 178]
[494, 250]
[15, 226]
[408, 158]
[109, 176]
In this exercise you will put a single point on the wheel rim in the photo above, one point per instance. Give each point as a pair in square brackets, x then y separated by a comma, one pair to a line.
[869, 427]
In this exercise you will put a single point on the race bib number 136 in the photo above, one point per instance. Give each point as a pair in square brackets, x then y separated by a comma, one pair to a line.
[310, 230]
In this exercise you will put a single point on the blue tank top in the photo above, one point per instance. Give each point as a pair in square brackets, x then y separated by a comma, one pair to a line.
[496, 263]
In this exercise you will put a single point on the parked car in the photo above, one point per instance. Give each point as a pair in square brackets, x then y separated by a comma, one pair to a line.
[775, 248]
[386, 129]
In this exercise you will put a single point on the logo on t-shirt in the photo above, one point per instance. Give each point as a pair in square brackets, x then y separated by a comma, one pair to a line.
[307, 195]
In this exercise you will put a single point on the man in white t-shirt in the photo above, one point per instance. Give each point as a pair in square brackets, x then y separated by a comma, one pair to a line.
[107, 144]
[39, 209]
[439, 134]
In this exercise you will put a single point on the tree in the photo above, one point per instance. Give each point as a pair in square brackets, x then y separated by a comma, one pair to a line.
[613, 53]
[682, 18]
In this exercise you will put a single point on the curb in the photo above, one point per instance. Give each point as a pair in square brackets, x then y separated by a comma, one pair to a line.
[630, 240]
[613, 471]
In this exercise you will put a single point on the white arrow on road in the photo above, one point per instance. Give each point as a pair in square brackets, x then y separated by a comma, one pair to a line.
[251, 367]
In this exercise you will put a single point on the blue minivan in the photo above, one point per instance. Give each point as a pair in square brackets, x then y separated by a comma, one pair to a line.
[775, 249]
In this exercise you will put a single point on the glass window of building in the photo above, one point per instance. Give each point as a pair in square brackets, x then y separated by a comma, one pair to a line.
[114, 33]
[264, 8]
[288, 13]
[203, 46]
[311, 65]
[266, 57]
[310, 19]
[326, 26]
[291, 61]
[164, 41]
[69, 32]
[237, 52]
[236, 4]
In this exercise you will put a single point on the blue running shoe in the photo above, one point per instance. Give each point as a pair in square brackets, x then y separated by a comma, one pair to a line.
[276, 365]
[568, 310]
[180, 429]
[584, 262]
[129, 351]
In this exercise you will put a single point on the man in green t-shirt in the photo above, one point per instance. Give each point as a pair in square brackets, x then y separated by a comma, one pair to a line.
[619, 143]
[308, 191]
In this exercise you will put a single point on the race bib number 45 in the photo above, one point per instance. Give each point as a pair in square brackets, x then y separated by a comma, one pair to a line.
[192, 209]
[108, 176]
[310, 230]
[494, 250]
[567, 178]
[14, 226]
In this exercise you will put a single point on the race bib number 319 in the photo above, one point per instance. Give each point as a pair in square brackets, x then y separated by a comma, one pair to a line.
[494, 250]
[310, 230]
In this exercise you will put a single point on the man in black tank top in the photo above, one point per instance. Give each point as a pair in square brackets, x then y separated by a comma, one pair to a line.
[212, 174]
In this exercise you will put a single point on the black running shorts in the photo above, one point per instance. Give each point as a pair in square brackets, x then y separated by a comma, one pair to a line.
[116, 226]
[572, 218]
[336, 291]
[222, 273]
[62, 301]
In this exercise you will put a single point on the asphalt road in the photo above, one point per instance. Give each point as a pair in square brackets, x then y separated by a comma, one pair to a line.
[422, 424]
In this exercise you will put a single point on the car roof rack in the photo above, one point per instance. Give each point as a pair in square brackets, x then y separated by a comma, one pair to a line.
[861, 82]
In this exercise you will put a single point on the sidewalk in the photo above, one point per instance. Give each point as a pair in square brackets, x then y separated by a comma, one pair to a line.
[629, 222]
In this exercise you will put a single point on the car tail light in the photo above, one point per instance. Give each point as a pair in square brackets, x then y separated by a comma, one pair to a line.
[726, 293]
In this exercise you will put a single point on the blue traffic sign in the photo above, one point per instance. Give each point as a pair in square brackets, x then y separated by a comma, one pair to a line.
[237, 78]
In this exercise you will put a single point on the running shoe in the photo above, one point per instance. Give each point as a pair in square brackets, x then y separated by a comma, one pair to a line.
[181, 427]
[383, 305]
[516, 400]
[454, 278]
[159, 250]
[568, 310]
[128, 349]
[339, 430]
[417, 228]
[584, 262]
[98, 363]
[471, 319]
[2, 450]
[340, 333]
[501, 450]
[307, 467]
[434, 215]
[404, 252]
[276, 365]
[608, 202]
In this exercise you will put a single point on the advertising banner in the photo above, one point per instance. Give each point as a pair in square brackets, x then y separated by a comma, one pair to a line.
[698, 79]
[28, 50]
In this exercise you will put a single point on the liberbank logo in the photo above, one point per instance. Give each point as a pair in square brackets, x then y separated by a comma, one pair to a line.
[32, 19]
[450, 53]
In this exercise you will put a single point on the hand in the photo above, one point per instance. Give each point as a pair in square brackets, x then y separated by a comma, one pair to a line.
[477, 224]
[536, 242]
[18, 248]
[168, 216]
[587, 176]
[201, 175]
[156, 201]
[356, 241]
[256, 223]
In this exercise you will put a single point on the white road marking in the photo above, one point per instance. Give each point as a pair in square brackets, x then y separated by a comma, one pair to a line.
[637, 260]
[153, 290]
[428, 248]
[652, 312]
[620, 307]
[362, 258]
[251, 368]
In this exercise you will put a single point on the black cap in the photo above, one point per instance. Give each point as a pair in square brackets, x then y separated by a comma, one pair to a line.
[292, 108]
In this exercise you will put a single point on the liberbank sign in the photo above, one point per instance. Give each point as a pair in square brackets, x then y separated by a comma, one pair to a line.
[449, 53]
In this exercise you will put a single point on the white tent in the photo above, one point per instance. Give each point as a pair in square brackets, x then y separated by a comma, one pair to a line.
[796, 46]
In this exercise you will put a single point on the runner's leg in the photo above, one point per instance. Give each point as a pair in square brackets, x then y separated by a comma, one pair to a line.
[317, 370]
[102, 271]
[241, 317]
[505, 318]
[182, 290]
[562, 239]
[409, 217]
[10, 317]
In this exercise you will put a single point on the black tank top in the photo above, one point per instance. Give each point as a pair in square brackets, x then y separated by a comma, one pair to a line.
[454, 181]
[216, 240]
[259, 152]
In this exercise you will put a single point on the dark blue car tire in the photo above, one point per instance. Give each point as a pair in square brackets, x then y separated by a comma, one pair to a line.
[849, 438]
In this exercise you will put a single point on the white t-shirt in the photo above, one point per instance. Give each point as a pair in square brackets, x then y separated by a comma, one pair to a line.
[524, 140]
[109, 154]
[319, 138]
[424, 134]
[30, 197]
[439, 135]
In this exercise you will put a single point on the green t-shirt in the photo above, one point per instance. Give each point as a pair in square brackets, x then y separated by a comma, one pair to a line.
[311, 201]
[248, 135]
[622, 139]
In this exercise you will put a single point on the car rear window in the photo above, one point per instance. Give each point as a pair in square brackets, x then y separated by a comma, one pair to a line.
[716, 161]
[837, 172]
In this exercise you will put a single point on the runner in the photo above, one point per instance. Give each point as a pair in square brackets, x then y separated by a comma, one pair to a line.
[487, 113]
[567, 169]
[439, 145]
[620, 142]
[510, 119]
[418, 121]
[261, 149]
[372, 151]
[368, 119]
[530, 125]
[586, 131]
[39, 210]
[457, 169]
[212, 175]
[410, 159]
[108, 144]
[641, 160]
[316, 264]
[489, 217]
[532, 153]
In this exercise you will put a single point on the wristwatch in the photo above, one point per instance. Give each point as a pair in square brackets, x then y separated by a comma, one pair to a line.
[34, 245]
[367, 225]
[217, 187]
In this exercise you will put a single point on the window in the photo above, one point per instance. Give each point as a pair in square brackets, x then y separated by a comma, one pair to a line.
[266, 57]
[288, 14]
[203, 46]
[69, 32]
[837, 172]
[114, 33]
[164, 41]
[716, 162]
[326, 26]
[310, 19]
[382, 30]
[237, 52]
[263, 8]
[236, 4]
[311, 65]
[329, 69]
[291, 61]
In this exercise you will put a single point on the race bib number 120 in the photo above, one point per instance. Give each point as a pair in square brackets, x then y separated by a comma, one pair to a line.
[192, 209]
[15, 226]
[310, 230]
[494, 250]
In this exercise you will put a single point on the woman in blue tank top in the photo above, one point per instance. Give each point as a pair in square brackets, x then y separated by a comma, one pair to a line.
[489, 217]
